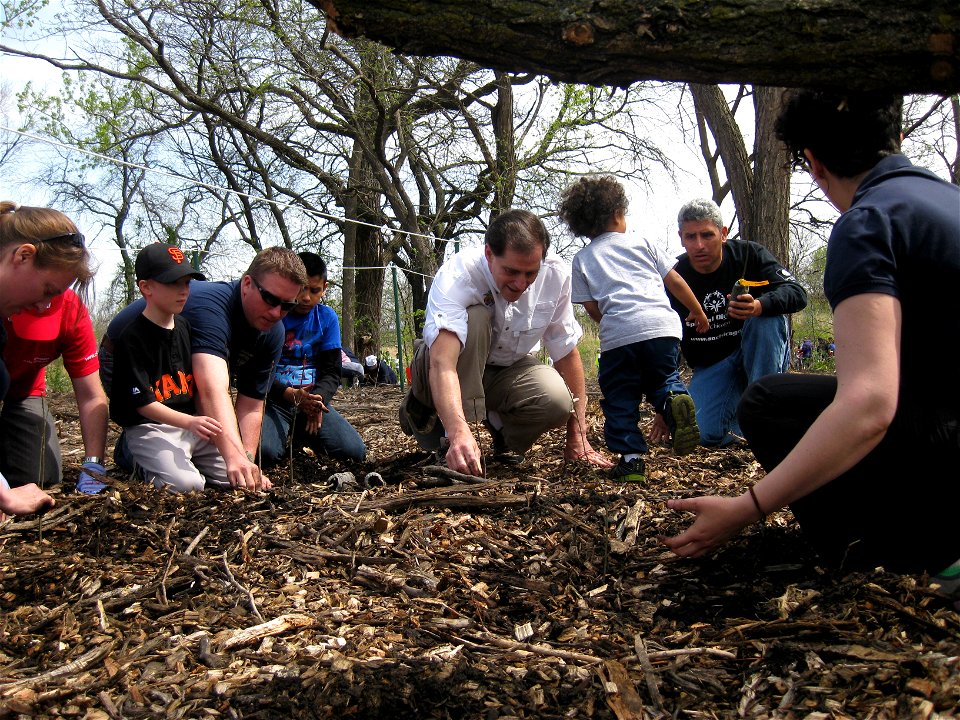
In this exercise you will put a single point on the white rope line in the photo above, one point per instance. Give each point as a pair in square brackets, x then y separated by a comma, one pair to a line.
[387, 267]
[209, 186]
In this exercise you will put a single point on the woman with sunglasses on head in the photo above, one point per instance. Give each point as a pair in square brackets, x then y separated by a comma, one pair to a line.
[41, 255]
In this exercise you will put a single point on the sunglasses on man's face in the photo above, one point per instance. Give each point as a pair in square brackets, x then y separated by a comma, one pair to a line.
[272, 300]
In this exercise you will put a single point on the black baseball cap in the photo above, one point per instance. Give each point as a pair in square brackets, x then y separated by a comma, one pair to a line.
[164, 263]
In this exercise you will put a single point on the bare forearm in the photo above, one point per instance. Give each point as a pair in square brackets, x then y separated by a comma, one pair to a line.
[160, 413]
[93, 427]
[219, 406]
[249, 414]
[445, 389]
[570, 369]
[680, 290]
[93, 409]
[840, 438]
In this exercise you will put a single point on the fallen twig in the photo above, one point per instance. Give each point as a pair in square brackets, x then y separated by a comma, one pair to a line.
[241, 588]
[649, 674]
[84, 662]
[271, 627]
[440, 471]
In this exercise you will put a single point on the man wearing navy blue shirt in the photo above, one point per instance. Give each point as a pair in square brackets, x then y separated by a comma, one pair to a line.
[236, 336]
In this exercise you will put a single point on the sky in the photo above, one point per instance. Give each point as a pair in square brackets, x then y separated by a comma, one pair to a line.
[652, 212]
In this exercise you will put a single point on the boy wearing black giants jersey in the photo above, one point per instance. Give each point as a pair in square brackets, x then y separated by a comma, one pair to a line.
[152, 396]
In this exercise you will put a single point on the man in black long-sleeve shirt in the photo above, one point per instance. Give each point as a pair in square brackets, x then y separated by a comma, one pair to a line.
[748, 336]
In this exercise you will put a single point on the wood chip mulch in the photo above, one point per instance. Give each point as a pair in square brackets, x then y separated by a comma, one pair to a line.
[542, 592]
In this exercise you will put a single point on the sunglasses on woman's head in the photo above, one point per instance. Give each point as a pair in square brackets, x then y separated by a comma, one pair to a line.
[76, 239]
[272, 300]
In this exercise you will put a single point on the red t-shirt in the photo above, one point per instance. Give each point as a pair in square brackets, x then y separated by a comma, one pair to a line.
[36, 339]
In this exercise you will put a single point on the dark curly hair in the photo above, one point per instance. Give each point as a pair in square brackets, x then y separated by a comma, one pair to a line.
[588, 205]
[848, 132]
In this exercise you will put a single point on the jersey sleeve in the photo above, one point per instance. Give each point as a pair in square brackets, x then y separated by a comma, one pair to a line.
[79, 342]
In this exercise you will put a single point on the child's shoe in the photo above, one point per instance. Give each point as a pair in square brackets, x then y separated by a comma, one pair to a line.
[682, 420]
[629, 471]
[949, 581]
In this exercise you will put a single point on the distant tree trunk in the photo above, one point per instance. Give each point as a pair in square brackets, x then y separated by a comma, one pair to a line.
[368, 250]
[369, 292]
[709, 100]
[770, 205]
[505, 180]
[761, 190]
[348, 286]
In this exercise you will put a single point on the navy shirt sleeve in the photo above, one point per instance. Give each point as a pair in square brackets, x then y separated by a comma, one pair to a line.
[864, 262]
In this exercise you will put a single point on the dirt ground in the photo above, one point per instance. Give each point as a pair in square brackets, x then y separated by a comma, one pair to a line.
[542, 593]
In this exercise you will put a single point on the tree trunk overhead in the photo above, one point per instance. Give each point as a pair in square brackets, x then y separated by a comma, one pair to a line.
[909, 46]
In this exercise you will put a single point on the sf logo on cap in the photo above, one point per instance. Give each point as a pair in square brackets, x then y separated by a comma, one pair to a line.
[176, 254]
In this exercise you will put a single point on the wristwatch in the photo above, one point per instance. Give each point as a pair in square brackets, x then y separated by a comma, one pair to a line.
[92, 459]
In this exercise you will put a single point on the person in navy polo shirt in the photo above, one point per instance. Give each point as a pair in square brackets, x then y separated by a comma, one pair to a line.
[866, 460]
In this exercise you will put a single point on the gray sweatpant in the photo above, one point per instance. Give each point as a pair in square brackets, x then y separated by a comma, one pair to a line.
[176, 459]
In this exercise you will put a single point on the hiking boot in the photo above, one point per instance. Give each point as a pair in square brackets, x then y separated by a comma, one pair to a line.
[415, 417]
[681, 418]
[629, 471]
[501, 452]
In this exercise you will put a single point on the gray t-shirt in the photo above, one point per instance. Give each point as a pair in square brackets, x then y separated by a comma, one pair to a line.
[624, 274]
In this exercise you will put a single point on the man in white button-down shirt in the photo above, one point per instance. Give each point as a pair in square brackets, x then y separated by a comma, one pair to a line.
[488, 312]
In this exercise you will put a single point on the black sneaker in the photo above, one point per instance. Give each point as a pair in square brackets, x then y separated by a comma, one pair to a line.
[629, 471]
[415, 416]
[501, 452]
[681, 418]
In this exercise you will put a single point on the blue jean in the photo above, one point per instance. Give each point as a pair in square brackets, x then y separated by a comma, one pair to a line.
[337, 438]
[628, 373]
[716, 389]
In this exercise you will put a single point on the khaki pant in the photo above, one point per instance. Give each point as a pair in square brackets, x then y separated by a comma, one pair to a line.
[529, 397]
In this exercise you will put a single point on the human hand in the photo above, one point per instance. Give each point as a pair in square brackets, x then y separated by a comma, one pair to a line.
[659, 431]
[204, 426]
[314, 423]
[308, 402]
[243, 474]
[699, 320]
[717, 520]
[743, 307]
[90, 480]
[23, 500]
[463, 454]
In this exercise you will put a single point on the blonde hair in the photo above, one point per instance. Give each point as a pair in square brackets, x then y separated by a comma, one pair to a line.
[38, 226]
[285, 263]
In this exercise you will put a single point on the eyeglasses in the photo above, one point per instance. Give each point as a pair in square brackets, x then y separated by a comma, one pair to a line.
[272, 300]
[75, 239]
